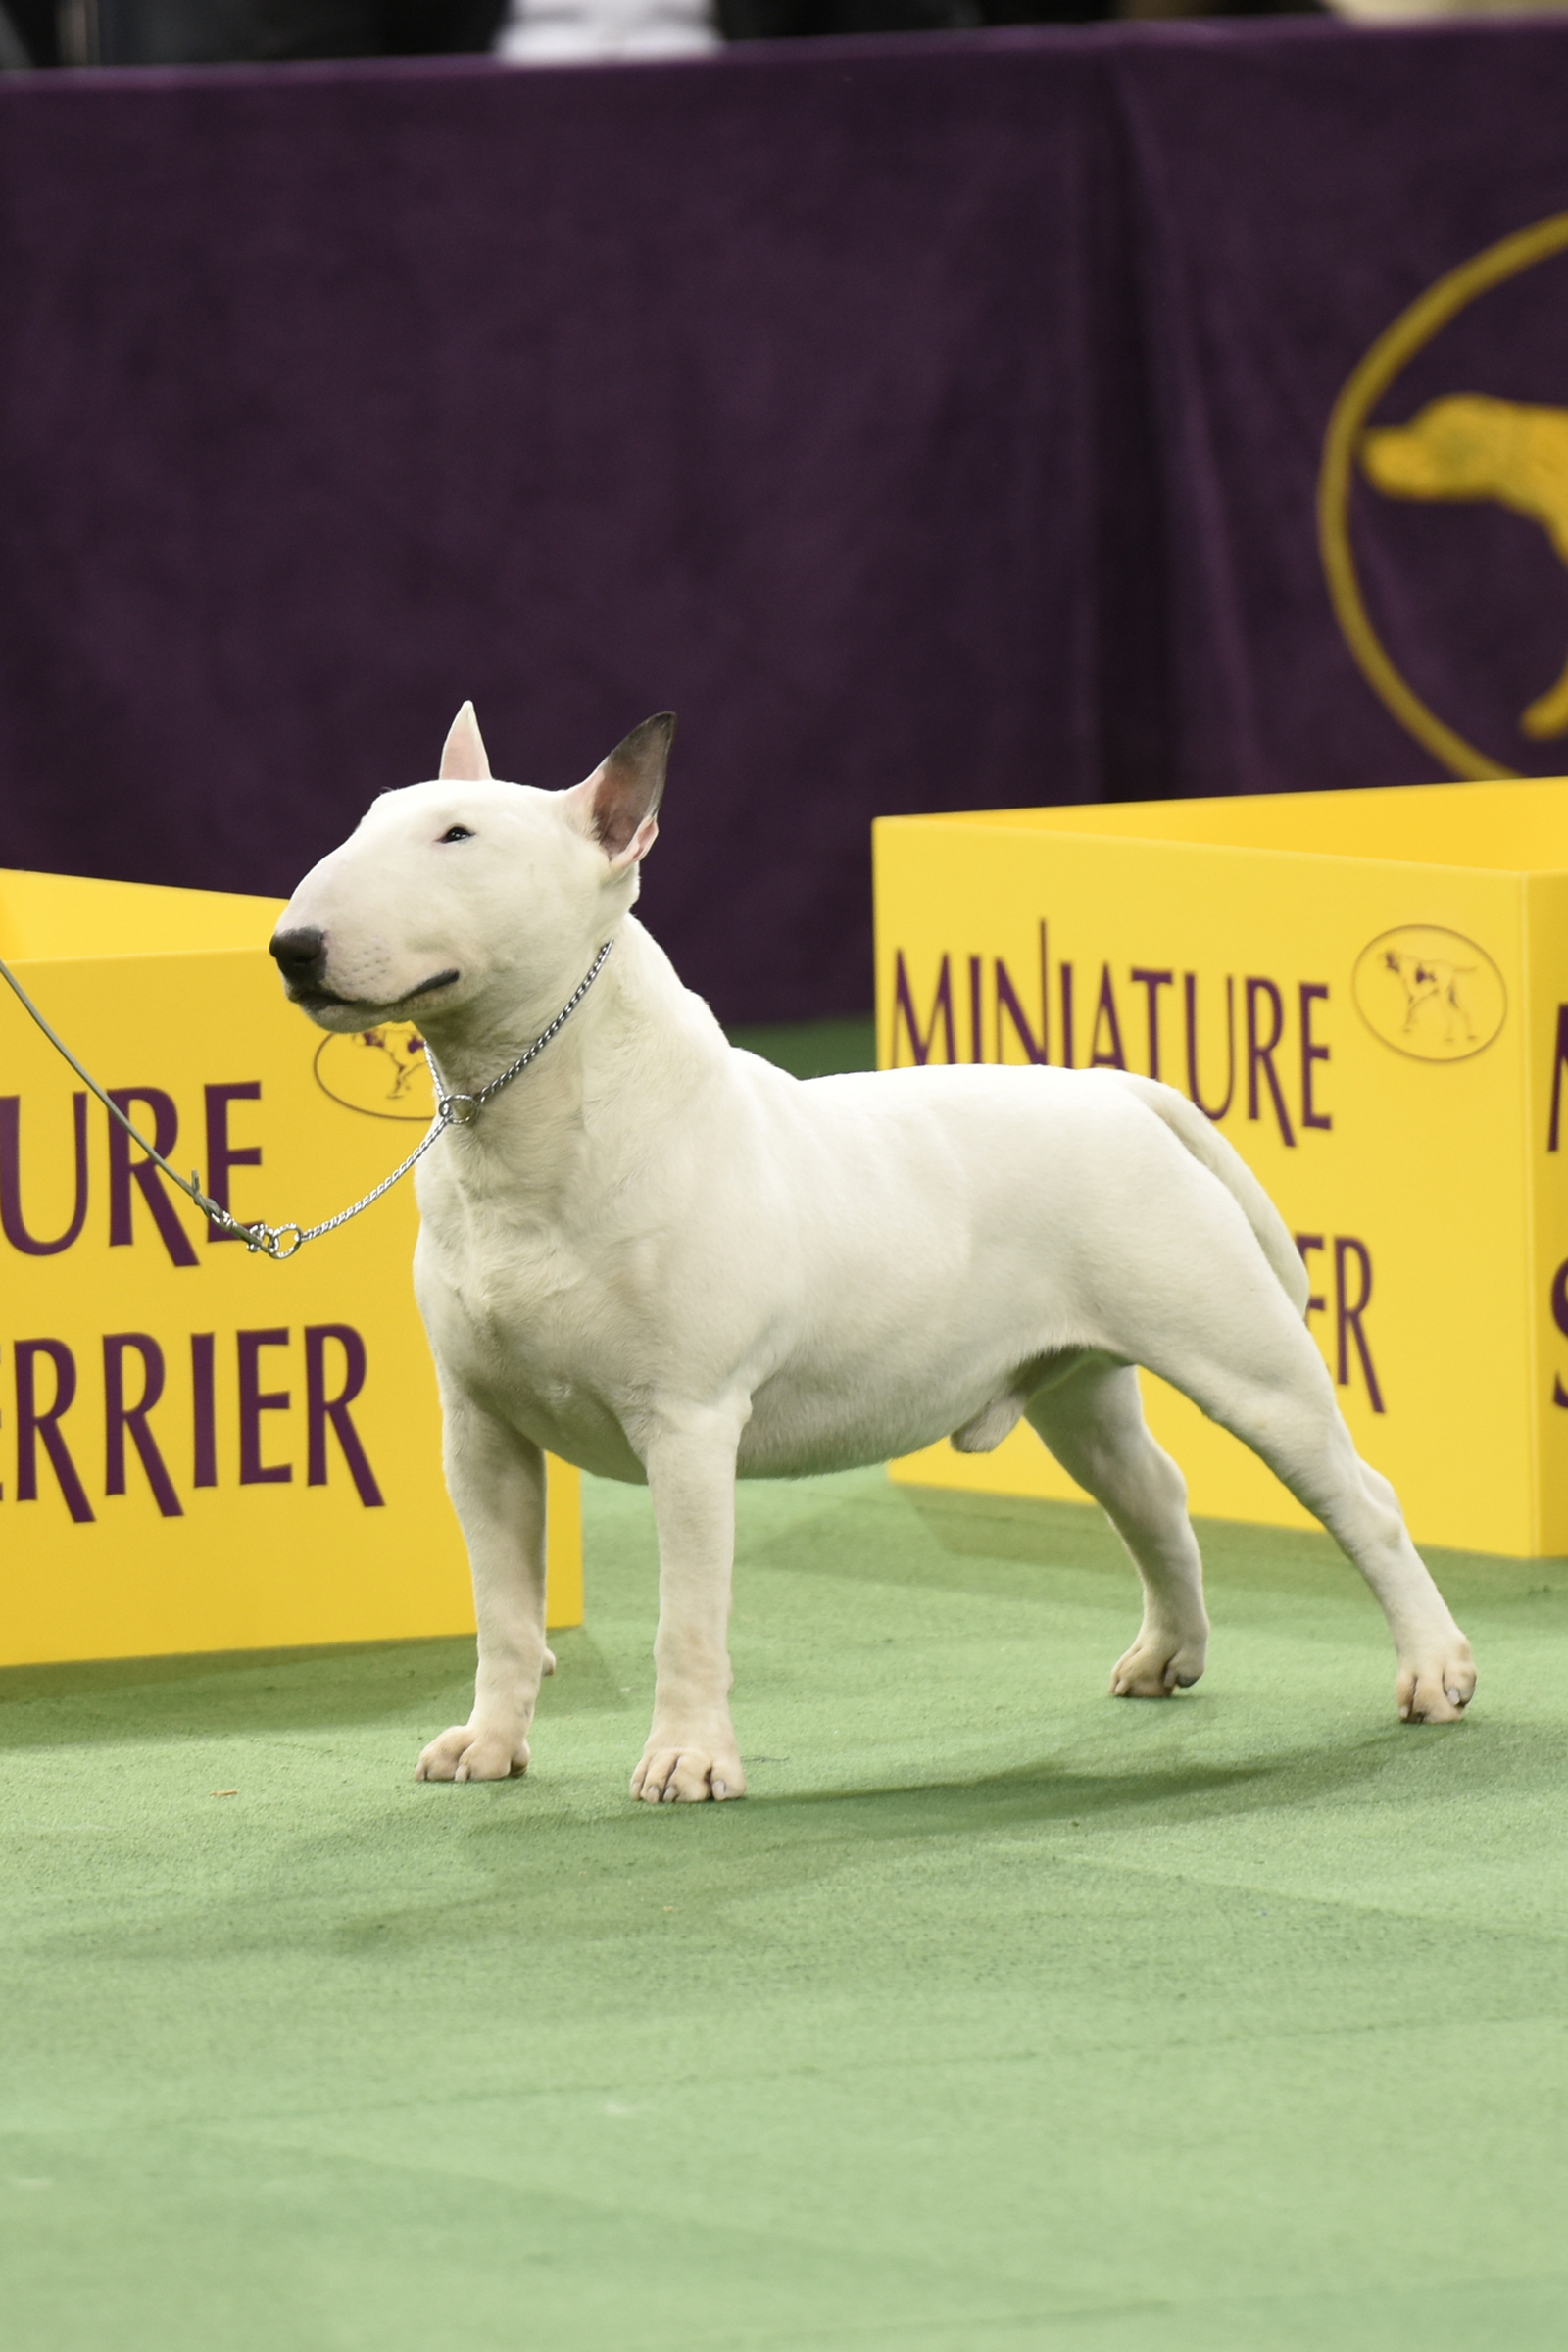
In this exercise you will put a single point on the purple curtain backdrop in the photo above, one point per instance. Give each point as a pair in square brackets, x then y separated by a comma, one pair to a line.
[934, 424]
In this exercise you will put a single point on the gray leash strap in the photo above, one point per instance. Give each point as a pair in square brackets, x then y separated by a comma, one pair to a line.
[280, 1242]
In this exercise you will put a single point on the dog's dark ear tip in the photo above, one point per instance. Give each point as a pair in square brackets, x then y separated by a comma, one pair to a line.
[662, 725]
[641, 758]
[623, 793]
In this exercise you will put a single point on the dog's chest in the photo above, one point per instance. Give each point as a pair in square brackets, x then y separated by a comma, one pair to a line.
[522, 1301]
[523, 1320]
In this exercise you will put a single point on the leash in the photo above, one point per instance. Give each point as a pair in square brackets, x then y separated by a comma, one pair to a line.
[280, 1242]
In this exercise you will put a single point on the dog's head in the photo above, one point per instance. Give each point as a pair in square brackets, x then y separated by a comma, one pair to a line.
[466, 894]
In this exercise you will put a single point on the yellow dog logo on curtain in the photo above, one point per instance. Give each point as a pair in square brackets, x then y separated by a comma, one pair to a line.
[1464, 446]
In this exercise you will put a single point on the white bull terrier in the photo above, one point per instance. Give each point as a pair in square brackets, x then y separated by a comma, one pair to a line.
[666, 1260]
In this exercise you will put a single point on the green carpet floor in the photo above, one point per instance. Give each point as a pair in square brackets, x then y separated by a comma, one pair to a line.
[1001, 2015]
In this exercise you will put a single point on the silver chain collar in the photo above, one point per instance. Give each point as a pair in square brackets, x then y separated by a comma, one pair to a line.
[460, 1111]
[280, 1242]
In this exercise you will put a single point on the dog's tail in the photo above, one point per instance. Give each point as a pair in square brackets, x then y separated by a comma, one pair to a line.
[1210, 1149]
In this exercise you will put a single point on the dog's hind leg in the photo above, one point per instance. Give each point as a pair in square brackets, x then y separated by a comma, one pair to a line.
[1093, 1421]
[1259, 1374]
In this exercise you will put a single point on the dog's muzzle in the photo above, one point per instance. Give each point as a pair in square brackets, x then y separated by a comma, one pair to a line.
[301, 957]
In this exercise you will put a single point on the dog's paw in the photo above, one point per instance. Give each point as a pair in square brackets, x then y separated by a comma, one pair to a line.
[1439, 1686]
[1157, 1665]
[549, 1666]
[469, 1753]
[671, 1773]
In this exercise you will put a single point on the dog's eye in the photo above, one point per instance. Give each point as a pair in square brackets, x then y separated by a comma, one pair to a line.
[458, 833]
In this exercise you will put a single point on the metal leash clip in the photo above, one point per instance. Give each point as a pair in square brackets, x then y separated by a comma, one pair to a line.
[269, 1239]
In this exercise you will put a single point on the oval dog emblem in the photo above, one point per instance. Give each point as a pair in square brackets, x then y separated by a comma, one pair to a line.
[384, 1072]
[1430, 993]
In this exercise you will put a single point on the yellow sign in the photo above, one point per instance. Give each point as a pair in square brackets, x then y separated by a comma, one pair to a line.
[201, 1450]
[1462, 446]
[1369, 992]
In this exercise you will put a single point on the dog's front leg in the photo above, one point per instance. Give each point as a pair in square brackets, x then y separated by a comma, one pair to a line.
[497, 1481]
[691, 1751]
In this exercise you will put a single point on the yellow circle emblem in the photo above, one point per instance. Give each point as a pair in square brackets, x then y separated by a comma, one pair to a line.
[384, 1072]
[1466, 445]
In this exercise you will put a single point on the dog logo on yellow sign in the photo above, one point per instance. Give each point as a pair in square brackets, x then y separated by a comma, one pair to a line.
[1430, 993]
[382, 1072]
[1464, 446]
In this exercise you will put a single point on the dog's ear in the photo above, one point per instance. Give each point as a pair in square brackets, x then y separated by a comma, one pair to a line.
[619, 804]
[463, 758]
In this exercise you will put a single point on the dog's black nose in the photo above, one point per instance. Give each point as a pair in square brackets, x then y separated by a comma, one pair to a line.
[299, 953]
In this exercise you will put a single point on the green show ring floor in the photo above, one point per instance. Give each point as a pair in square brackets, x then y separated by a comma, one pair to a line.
[1000, 2015]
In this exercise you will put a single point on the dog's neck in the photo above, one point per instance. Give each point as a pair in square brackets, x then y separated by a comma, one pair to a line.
[470, 1050]
[635, 1022]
